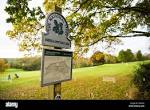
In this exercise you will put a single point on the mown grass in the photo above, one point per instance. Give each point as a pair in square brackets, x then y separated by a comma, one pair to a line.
[86, 83]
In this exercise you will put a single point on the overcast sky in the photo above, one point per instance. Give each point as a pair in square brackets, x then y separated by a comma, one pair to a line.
[9, 48]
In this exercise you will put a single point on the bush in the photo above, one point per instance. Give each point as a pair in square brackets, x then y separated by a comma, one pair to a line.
[141, 80]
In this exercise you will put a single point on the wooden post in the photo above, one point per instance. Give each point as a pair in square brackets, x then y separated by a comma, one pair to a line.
[57, 91]
[57, 86]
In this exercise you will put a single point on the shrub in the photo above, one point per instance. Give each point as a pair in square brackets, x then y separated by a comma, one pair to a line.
[141, 80]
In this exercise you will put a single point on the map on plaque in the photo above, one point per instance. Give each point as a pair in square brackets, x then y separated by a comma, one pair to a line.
[56, 66]
[57, 32]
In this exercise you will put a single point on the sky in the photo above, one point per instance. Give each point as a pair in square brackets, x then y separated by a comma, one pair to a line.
[9, 48]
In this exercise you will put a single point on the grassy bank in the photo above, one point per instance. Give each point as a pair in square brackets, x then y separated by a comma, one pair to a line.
[87, 83]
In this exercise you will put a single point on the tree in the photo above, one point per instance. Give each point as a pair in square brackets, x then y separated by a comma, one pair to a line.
[146, 56]
[109, 58]
[3, 65]
[129, 55]
[90, 21]
[122, 56]
[80, 61]
[30, 64]
[139, 55]
[97, 58]
[126, 56]
[16, 63]
[26, 24]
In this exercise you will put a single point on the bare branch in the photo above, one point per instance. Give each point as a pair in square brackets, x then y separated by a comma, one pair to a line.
[117, 36]
[81, 6]
[100, 39]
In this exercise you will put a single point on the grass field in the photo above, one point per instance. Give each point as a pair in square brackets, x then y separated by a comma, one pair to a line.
[87, 83]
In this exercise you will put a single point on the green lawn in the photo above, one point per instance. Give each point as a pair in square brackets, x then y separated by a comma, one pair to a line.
[87, 83]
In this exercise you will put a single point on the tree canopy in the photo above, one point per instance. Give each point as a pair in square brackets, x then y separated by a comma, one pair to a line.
[126, 56]
[26, 24]
[98, 58]
[3, 65]
[139, 55]
[90, 21]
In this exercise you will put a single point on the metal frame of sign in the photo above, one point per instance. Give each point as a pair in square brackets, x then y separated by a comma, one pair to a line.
[42, 66]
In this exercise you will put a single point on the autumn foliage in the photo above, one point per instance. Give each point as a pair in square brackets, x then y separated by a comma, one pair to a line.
[3, 65]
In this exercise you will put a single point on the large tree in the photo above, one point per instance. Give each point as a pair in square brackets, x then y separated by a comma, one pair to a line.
[3, 65]
[126, 56]
[26, 24]
[97, 58]
[139, 56]
[90, 21]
